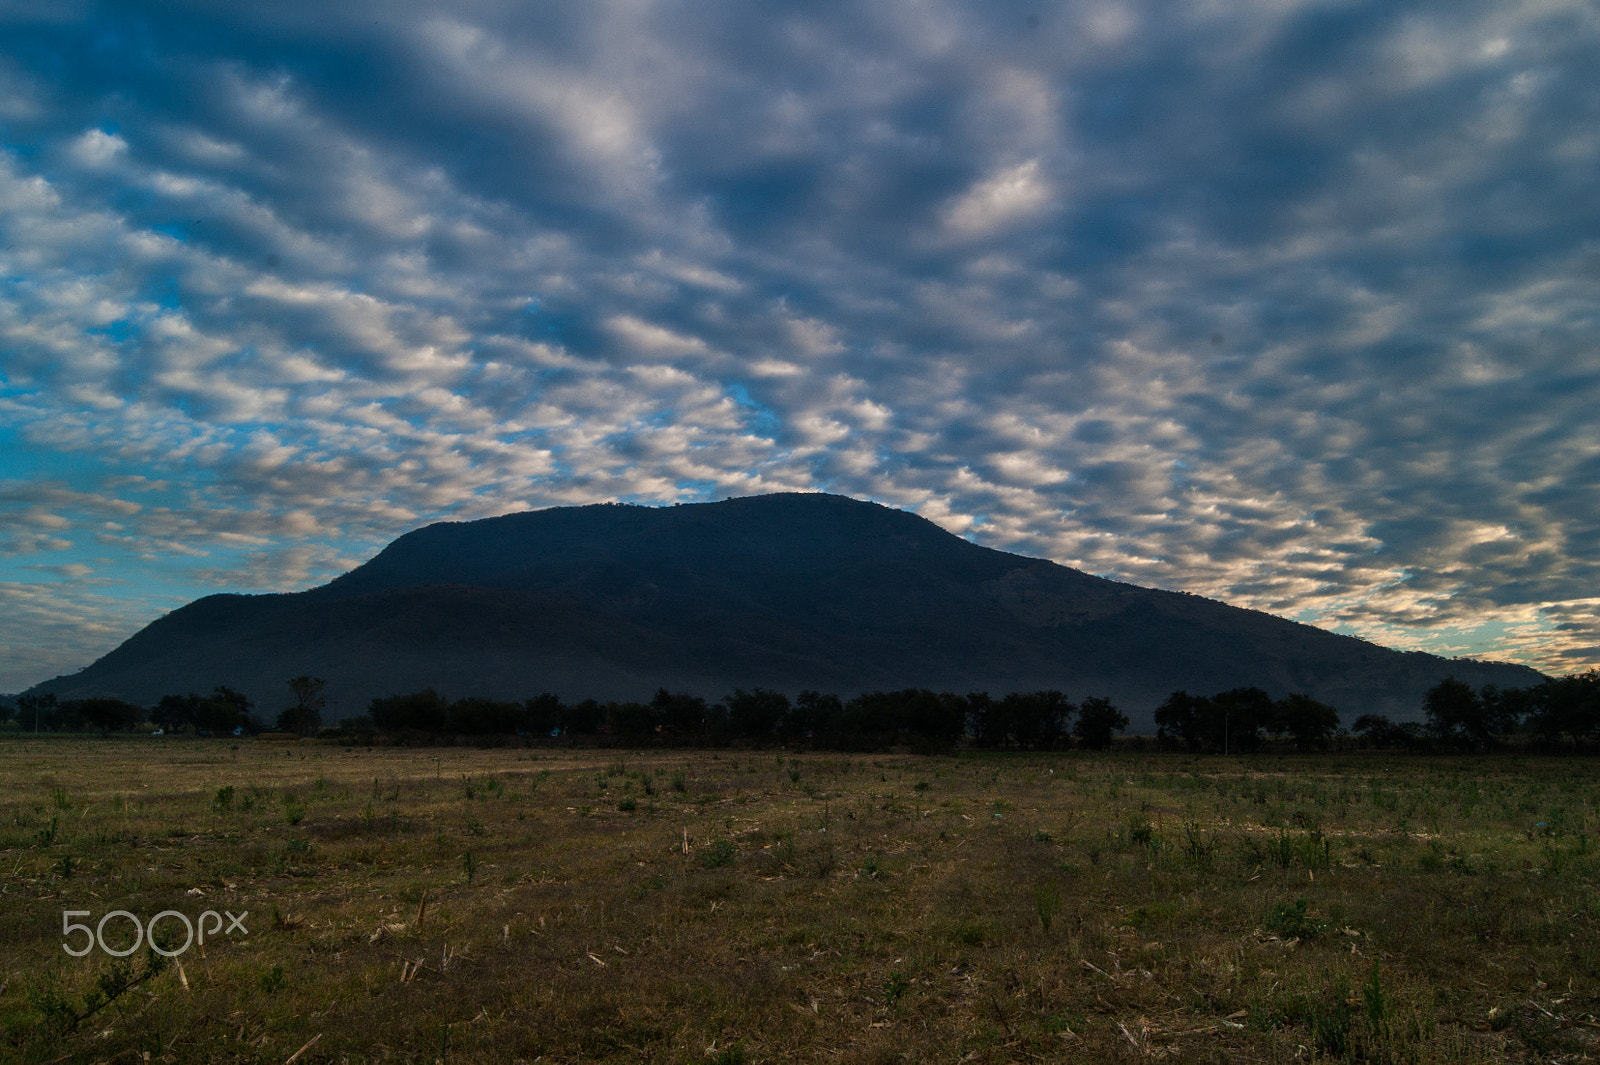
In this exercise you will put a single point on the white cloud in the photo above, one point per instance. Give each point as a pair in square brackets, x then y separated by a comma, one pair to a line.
[1000, 201]
[96, 148]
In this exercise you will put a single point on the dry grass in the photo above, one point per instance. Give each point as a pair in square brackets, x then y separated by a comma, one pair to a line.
[502, 905]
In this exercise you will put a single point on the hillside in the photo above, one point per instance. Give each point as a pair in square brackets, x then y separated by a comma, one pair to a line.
[786, 591]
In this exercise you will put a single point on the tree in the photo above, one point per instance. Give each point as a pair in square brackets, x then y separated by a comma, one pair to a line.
[544, 712]
[424, 711]
[477, 716]
[1377, 730]
[1237, 718]
[305, 716]
[1097, 721]
[680, 713]
[630, 721]
[105, 713]
[1457, 714]
[1036, 719]
[757, 713]
[229, 709]
[1311, 723]
[38, 711]
[816, 716]
[1181, 717]
[1565, 706]
[986, 719]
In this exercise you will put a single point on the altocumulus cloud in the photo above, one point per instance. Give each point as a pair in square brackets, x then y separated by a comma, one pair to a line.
[1292, 304]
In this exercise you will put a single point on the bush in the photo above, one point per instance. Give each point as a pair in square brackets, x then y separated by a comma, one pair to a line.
[1294, 921]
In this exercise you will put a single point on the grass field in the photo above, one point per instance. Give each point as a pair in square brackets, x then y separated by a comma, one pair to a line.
[509, 904]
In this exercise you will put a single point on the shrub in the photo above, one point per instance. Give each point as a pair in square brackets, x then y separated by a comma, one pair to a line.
[1293, 921]
[720, 853]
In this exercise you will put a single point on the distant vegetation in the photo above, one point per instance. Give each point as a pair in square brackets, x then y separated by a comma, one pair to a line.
[1559, 713]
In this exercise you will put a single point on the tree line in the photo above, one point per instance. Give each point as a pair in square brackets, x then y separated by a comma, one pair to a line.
[1041, 720]
[1559, 712]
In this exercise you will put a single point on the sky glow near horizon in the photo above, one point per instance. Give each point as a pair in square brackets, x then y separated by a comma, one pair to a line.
[1291, 304]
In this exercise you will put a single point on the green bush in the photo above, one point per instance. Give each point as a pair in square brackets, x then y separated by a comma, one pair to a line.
[720, 853]
[1292, 920]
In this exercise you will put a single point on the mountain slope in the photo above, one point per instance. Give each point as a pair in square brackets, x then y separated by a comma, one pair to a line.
[785, 591]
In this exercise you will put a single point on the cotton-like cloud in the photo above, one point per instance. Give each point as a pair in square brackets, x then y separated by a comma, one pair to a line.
[1288, 304]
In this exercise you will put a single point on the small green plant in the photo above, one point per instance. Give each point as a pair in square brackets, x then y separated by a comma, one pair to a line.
[720, 853]
[680, 780]
[294, 813]
[111, 983]
[1375, 1002]
[895, 988]
[1197, 849]
[223, 800]
[271, 980]
[1330, 1026]
[1293, 920]
[733, 1055]
[628, 804]
[1142, 834]
[1047, 902]
[469, 865]
[59, 797]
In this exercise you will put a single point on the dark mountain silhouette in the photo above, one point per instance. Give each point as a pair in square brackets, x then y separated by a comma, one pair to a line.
[786, 591]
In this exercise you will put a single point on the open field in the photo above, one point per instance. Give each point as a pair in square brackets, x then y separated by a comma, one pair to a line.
[683, 906]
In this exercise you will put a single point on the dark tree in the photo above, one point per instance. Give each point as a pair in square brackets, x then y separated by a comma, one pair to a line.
[756, 714]
[1182, 716]
[176, 712]
[423, 711]
[1238, 717]
[476, 716]
[1378, 731]
[305, 716]
[1563, 707]
[816, 716]
[630, 721]
[229, 709]
[106, 713]
[39, 712]
[1035, 720]
[543, 713]
[1312, 724]
[1097, 721]
[680, 714]
[1456, 714]
[986, 720]
[586, 717]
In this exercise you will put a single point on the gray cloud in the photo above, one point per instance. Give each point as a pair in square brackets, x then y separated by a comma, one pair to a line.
[1289, 304]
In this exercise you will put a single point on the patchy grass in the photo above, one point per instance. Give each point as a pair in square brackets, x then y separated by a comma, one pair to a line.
[511, 904]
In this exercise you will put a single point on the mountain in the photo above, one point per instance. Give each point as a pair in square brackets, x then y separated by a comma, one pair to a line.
[787, 591]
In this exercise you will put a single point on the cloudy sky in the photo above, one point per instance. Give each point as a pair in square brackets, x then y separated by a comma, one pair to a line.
[1291, 303]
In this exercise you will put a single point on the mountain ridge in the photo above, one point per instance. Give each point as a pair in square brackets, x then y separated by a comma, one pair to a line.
[786, 591]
